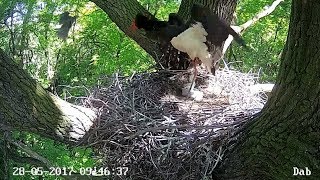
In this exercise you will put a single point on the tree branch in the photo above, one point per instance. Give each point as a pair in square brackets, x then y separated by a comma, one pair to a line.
[122, 14]
[240, 29]
[26, 106]
[31, 153]
[39, 161]
[267, 10]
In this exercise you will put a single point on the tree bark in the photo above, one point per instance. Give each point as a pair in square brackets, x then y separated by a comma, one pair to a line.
[122, 14]
[224, 8]
[25, 105]
[287, 133]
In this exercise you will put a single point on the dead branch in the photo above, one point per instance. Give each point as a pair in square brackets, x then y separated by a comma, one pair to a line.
[30, 152]
[240, 29]
[36, 159]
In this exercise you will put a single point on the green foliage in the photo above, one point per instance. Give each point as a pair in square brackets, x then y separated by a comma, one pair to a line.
[266, 38]
[161, 9]
[59, 154]
[96, 48]
[99, 49]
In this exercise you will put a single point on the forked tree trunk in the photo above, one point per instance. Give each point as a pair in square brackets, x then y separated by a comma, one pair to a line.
[25, 105]
[287, 133]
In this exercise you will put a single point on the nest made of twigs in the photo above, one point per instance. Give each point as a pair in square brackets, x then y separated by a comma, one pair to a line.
[147, 125]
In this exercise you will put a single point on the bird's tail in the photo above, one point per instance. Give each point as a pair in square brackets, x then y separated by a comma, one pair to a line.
[237, 37]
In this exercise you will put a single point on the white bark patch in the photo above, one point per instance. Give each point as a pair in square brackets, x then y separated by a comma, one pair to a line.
[77, 120]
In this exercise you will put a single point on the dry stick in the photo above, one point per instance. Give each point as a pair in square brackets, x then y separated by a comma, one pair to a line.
[239, 29]
[153, 129]
[219, 158]
[41, 159]
[31, 153]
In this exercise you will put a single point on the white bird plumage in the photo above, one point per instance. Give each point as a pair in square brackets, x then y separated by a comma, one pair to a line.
[192, 41]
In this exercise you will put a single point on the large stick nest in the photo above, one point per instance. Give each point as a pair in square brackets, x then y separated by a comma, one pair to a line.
[147, 125]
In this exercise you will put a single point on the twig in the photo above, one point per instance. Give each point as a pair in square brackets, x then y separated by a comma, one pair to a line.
[31, 153]
[267, 10]
[154, 129]
[157, 133]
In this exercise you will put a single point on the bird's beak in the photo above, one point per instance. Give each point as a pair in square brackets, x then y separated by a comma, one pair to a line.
[133, 26]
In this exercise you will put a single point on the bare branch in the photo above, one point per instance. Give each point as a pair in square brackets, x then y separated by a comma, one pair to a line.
[38, 160]
[31, 153]
[267, 10]
[239, 29]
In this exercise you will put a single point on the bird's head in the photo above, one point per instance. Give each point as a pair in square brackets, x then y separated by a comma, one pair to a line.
[140, 21]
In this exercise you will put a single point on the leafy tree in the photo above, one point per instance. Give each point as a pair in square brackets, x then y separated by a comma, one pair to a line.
[288, 125]
[265, 38]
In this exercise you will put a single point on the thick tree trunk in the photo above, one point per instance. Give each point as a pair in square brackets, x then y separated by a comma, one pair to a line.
[123, 12]
[224, 8]
[25, 105]
[287, 133]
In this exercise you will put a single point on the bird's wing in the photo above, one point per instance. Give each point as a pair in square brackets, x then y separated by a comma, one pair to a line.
[217, 29]
[174, 19]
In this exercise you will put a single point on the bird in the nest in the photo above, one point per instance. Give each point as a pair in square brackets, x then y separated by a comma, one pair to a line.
[193, 37]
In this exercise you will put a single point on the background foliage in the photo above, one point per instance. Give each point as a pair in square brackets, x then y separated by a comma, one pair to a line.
[266, 38]
[96, 48]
